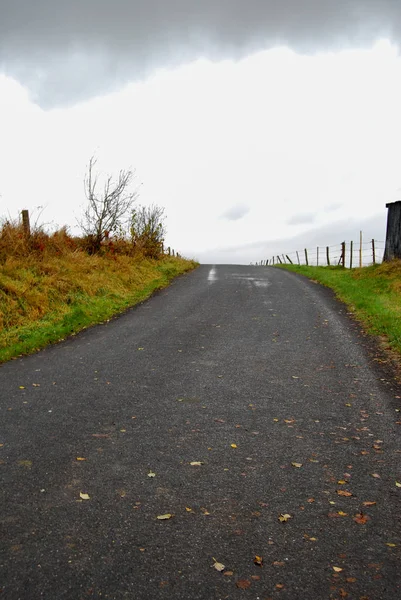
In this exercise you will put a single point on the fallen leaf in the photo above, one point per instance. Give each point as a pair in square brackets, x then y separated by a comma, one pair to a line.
[344, 493]
[310, 500]
[188, 509]
[297, 465]
[258, 560]
[279, 586]
[80, 458]
[228, 573]
[342, 513]
[233, 445]
[391, 545]
[164, 517]
[255, 577]
[283, 518]
[376, 475]
[368, 503]
[151, 474]
[278, 563]
[397, 484]
[25, 463]
[219, 566]
[350, 579]
[243, 584]
[341, 481]
[361, 519]
[337, 569]
[84, 496]
[196, 463]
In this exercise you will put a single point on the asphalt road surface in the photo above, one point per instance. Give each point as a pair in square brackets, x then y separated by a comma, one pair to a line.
[261, 378]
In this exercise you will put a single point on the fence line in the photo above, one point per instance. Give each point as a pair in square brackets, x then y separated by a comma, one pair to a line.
[348, 254]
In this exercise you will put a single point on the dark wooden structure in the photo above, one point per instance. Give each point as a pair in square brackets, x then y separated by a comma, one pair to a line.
[393, 236]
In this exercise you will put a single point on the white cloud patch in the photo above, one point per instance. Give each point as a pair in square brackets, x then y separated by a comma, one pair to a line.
[235, 212]
[302, 218]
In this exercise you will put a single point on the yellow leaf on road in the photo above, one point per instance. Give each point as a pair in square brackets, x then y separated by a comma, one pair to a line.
[151, 474]
[196, 463]
[84, 496]
[297, 465]
[397, 484]
[344, 493]
[337, 569]
[233, 445]
[80, 458]
[164, 517]
[219, 566]
[283, 518]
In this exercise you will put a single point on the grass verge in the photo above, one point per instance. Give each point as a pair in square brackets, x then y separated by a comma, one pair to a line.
[43, 301]
[373, 294]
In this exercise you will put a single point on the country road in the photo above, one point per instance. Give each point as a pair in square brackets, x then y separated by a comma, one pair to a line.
[261, 378]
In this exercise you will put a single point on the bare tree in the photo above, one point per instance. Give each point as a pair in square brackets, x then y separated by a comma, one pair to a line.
[109, 206]
[148, 230]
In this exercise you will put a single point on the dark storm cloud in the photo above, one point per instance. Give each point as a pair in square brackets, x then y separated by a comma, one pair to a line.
[69, 50]
[235, 212]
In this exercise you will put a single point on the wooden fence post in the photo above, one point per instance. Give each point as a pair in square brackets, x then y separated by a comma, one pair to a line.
[289, 260]
[299, 262]
[306, 257]
[373, 251]
[273, 261]
[351, 254]
[360, 249]
[393, 234]
[25, 222]
[328, 255]
[279, 260]
[342, 259]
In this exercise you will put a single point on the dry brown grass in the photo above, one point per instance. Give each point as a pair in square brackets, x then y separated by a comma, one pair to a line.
[50, 286]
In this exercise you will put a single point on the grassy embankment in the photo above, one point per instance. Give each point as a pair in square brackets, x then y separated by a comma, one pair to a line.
[373, 294]
[55, 290]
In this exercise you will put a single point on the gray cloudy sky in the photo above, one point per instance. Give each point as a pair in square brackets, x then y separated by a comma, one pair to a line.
[66, 51]
[260, 125]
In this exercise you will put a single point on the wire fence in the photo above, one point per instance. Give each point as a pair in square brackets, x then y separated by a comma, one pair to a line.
[347, 254]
